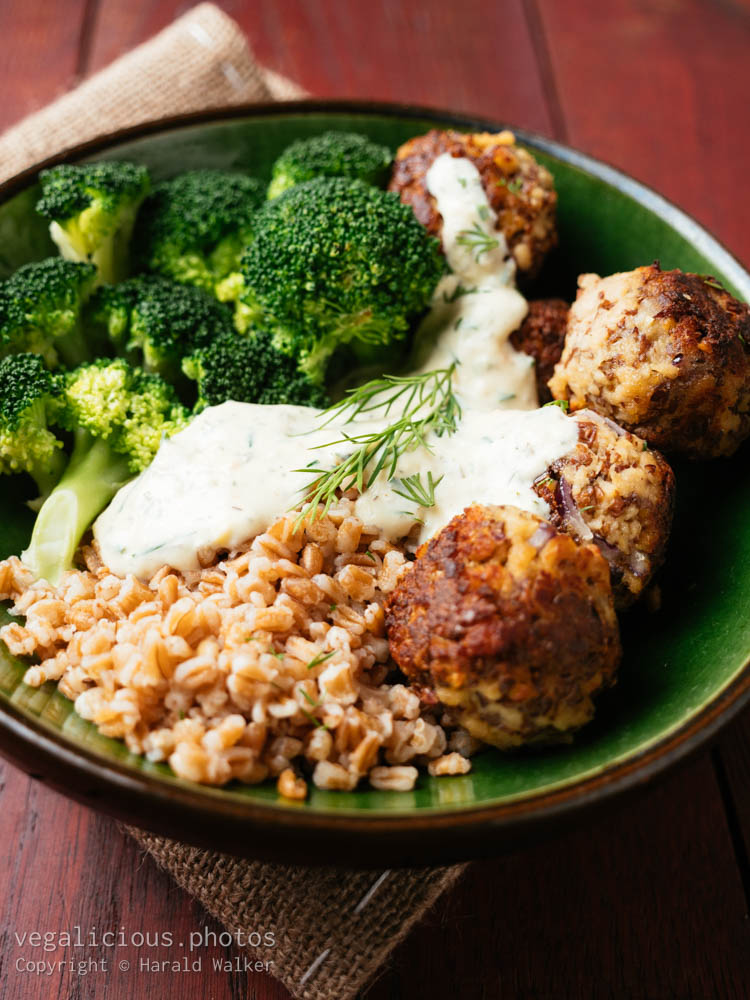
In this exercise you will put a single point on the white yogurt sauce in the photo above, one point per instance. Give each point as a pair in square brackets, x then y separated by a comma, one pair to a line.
[231, 472]
[474, 248]
[473, 329]
[475, 309]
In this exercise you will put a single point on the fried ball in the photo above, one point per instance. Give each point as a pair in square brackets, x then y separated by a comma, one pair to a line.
[520, 191]
[541, 336]
[510, 622]
[614, 491]
[663, 353]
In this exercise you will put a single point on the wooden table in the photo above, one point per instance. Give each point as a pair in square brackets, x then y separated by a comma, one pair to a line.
[652, 900]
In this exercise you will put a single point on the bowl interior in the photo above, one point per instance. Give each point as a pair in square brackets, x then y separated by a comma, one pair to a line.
[676, 662]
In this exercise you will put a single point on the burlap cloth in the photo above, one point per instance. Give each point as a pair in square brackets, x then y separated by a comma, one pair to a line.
[332, 929]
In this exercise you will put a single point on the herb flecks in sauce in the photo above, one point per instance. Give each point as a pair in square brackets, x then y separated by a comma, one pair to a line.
[425, 403]
[248, 457]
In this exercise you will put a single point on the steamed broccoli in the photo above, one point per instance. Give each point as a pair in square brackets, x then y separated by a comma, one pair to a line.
[249, 370]
[194, 228]
[92, 210]
[29, 400]
[118, 416]
[40, 311]
[334, 262]
[158, 322]
[332, 154]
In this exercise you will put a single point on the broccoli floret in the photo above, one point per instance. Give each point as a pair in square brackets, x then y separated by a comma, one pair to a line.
[249, 370]
[92, 210]
[40, 311]
[334, 262]
[118, 415]
[230, 290]
[157, 322]
[332, 154]
[29, 400]
[194, 228]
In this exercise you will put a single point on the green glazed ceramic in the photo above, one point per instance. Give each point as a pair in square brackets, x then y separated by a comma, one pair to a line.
[685, 667]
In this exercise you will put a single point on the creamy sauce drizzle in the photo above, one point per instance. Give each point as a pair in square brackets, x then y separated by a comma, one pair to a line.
[473, 329]
[474, 248]
[475, 309]
[230, 473]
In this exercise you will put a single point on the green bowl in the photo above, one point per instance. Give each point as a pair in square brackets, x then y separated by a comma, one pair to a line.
[685, 668]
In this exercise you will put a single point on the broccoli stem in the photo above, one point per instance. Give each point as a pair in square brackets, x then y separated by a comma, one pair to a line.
[47, 477]
[93, 476]
[110, 257]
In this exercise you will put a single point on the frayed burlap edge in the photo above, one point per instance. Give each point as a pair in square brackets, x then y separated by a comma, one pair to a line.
[200, 61]
[333, 928]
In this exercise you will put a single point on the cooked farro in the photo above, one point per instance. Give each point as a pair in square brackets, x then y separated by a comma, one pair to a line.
[270, 662]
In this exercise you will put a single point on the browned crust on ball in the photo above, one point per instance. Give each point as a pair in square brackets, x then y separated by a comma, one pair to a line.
[510, 621]
[663, 353]
[520, 190]
[615, 491]
[542, 336]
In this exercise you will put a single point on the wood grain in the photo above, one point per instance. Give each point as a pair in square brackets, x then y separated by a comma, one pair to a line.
[70, 867]
[471, 56]
[633, 906]
[39, 44]
[660, 89]
[645, 902]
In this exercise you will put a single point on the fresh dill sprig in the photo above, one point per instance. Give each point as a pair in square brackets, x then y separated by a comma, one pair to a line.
[311, 718]
[477, 240]
[414, 490]
[423, 389]
[427, 405]
[320, 658]
[309, 698]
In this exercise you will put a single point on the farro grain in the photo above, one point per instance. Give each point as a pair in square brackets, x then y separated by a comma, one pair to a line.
[270, 661]
[290, 786]
[452, 763]
[393, 779]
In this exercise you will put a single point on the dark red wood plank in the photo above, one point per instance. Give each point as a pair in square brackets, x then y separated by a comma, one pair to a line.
[471, 56]
[66, 867]
[644, 903]
[39, 45]
[661, 90]
[647, 899]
